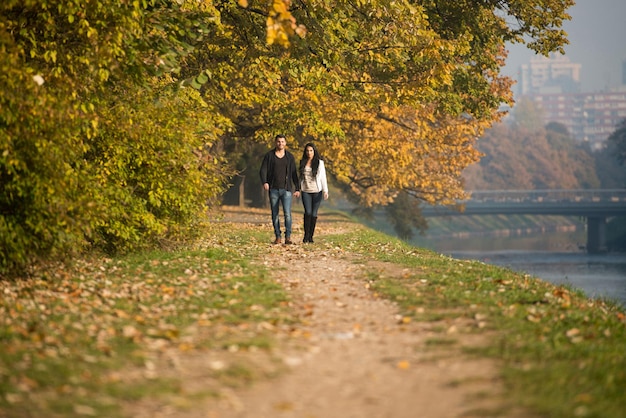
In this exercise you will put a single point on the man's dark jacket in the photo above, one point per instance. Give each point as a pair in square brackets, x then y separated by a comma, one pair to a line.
[267, 171]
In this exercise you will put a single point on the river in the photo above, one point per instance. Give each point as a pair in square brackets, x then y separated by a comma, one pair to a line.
[552, 256]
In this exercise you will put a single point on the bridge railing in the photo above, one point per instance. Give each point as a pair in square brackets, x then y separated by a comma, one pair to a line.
[521, 196]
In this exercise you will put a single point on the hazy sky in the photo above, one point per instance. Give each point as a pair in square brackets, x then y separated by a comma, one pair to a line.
[597, 36]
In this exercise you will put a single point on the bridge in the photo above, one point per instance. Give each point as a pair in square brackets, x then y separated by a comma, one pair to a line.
[594, 205]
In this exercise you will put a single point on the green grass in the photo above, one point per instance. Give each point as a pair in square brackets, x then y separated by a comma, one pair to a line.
[69, 336]
[562, 353]
[66, 336]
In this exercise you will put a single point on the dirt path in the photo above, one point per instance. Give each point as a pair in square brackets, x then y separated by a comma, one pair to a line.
[351, 355]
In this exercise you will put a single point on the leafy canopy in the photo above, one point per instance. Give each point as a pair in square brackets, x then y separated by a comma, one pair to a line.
[98, 146]
[395, 93]
[115, 114]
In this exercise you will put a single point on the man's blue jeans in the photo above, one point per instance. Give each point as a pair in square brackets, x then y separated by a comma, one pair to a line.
[281, 196]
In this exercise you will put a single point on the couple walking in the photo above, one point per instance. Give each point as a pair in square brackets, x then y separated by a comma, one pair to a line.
[279, 176]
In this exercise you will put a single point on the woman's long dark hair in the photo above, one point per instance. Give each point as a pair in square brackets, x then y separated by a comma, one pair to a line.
[314, 164]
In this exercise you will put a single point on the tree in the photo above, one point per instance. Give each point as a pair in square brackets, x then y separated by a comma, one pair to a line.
[528, 115]
[617, 142]
[515, 158]
[395, 93]
[83, 91]
[616, 150]
[404, 215]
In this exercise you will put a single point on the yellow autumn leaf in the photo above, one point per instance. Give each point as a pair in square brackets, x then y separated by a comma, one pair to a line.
[403, 365]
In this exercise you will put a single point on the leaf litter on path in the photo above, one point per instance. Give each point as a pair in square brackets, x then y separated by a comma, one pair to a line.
[350, 353]
[338, 350]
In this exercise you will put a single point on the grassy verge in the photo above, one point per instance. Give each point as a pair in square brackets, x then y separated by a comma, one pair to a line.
[79, 342]
[562, 353]
[70, 338]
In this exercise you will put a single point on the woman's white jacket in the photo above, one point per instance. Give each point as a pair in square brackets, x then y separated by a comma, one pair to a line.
[320, 178]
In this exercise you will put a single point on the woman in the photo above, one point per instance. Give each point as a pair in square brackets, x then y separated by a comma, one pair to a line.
[313, 187]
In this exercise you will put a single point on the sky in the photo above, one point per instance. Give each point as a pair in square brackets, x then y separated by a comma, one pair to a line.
[597, 40]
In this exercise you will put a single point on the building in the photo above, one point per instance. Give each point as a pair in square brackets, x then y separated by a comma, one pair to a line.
[553, 84]
[544, 75]
[590, 117]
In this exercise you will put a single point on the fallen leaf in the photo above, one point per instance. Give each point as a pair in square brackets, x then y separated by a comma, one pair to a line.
[283, 406]
[403, 365]
[84, 410]
[572, 332]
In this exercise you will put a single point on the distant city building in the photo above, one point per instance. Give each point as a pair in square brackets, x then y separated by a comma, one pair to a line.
[553, 84]
[589, 117]
[549, 75]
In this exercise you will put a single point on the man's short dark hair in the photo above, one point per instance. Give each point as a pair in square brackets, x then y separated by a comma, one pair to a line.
[280, 136]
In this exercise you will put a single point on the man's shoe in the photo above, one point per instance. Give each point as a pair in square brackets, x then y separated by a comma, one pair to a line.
[288, 241]
[276, 241]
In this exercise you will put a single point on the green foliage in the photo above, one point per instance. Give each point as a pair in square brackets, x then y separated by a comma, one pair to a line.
[617, 141]
[155, 166]
[404, 215]
[610, 172]
[42, 199]
[93, 147]
[616, 234]
[609, 160]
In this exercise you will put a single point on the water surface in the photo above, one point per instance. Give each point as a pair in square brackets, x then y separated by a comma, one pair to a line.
[556, 257]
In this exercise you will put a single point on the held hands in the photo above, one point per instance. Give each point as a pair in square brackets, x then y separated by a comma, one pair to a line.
[266, 186]
[325, 195]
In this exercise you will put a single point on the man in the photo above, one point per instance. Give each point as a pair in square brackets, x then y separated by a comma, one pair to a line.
[279, 176]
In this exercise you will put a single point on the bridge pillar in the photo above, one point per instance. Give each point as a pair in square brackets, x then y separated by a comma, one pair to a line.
[596, 234]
